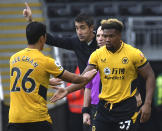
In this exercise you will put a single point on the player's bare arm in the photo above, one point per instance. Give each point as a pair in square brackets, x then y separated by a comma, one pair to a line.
[147, 73]
[87, 103]
[62, 92]
[75, 87]
[87, 97]
[55, 81]
[78, 79]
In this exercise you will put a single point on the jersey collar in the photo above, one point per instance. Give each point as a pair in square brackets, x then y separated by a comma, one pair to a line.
[30, 49]
[121, 47]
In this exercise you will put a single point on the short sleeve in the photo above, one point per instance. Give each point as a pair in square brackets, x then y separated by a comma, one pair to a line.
[53, 67]
[139, 59]
[93, 59]
[89, 85]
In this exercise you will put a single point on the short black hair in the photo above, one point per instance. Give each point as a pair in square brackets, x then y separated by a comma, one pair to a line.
[34, 31]
[84, 17]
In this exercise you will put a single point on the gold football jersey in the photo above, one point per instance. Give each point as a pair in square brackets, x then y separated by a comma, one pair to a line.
[117, 71]
[29, 78]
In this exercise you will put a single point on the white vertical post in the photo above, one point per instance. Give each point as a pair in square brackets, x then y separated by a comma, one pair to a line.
[1, 99]
[129, 32]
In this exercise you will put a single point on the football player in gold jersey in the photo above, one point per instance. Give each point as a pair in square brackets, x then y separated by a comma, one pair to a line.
[118, 64]
[29, 78]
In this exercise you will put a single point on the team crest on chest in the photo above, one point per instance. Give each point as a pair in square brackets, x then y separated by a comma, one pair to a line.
[125, 60]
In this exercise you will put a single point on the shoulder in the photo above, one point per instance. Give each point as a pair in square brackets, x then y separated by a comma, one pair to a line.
[47, 62]
[128, 46]
[46, 58]
[100, 50]
[42, 58]
[16, 54]
[136, 55]
[74, 38]
[131, 49]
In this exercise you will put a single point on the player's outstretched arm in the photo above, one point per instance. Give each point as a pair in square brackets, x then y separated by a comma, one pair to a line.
[147, 73]
[88, 73]
[78, 79]
[27, 13]
[86, 104]
[55, 81]
[59, 94]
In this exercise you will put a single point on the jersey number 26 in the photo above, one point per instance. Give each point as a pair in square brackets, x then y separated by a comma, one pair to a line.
[25, 79]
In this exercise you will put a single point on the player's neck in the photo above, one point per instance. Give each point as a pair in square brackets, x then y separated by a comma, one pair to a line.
[35, 46]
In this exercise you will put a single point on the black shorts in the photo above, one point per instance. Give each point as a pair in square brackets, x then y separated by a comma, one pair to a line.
[33, 126]
[93, 111]
[122, 117]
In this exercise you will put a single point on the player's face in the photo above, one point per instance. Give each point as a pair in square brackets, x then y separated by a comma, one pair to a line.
[113, 38]
[83, 31]
[101, 41]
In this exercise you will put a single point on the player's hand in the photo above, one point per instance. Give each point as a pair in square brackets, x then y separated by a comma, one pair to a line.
[55, 81]
[145, 112]
[59, 94]
[27, 13]
[90, 74]
[138, 99]
[86, 119]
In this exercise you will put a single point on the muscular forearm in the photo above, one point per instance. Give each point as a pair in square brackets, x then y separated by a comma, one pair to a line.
[87, 97]
[150, 87]
[75, 87]
[147, 73]
[73, 78]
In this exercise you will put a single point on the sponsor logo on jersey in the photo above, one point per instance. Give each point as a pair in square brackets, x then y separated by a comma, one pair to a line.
[115, 77]
[107, 71]
[116, 73]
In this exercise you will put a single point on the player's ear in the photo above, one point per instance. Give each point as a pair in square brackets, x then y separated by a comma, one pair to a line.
[42, 39]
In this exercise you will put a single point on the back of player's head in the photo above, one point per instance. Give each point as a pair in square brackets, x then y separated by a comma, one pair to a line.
[34, 31]
[112, 24]
[84, 17]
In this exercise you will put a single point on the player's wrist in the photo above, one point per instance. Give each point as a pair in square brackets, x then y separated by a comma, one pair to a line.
[86, 110]
[147, 103]
[30, 19]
